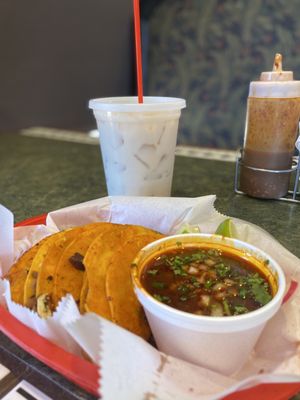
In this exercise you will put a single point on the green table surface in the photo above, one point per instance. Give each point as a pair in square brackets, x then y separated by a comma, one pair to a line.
[40, 175]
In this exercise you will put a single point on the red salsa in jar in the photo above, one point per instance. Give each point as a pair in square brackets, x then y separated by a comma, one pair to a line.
[206, 281]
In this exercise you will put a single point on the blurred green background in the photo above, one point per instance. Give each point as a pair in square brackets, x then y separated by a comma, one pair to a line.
[208, 51]
[55, 56]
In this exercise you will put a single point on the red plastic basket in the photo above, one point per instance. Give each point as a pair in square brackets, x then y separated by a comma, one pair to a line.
[85, 374]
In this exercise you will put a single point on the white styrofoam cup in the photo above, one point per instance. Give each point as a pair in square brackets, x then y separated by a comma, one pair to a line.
[222, 344]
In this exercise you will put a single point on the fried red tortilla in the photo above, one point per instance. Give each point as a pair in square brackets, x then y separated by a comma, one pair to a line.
[68, 277]
[96, 263]
[44, 260]
[18, 273]
[90, 262]
[44, 291]
[125, 308]
[83, 294]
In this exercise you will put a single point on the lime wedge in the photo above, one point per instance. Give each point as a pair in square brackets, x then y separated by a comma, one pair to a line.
[226, 228]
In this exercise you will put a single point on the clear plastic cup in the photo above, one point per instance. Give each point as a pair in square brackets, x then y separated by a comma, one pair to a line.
[138, 143]
[222, 344]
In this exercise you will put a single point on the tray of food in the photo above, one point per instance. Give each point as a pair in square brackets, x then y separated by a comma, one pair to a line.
[124, 270]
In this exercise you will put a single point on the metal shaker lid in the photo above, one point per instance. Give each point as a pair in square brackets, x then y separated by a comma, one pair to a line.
[276, 83]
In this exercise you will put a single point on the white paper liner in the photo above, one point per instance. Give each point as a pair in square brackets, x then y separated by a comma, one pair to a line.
[6, 239]
[163, 214]
[130, 368]
[165, 377]
[51, 328]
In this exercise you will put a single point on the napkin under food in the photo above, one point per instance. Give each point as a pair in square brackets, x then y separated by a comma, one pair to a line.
[124, 357]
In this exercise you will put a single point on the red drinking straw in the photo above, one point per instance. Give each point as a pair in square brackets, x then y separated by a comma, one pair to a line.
[138, 49]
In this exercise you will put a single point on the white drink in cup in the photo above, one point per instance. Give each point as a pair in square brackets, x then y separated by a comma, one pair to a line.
[138, 143]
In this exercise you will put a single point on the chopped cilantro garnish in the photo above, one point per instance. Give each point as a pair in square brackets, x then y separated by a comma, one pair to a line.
[176, 265]
[255, 286]
[186, 260]
[240, 310]
[260, 293]
[183, 288]
[255, 279]
[179, 271]
[223, 270]
[198, 256]
[243, 292]
[162, 299]
[177, 261]
[208, 284]
[152, 271]
[194, 282]
[213, 253]
[226, 308]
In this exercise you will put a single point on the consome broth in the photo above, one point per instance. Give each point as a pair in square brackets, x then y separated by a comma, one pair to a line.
[206, 281]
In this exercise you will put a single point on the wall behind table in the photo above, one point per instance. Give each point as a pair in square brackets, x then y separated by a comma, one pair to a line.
[55, 55]
[208, 51]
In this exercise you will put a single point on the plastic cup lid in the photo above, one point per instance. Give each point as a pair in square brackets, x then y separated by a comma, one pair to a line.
[130, 104]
